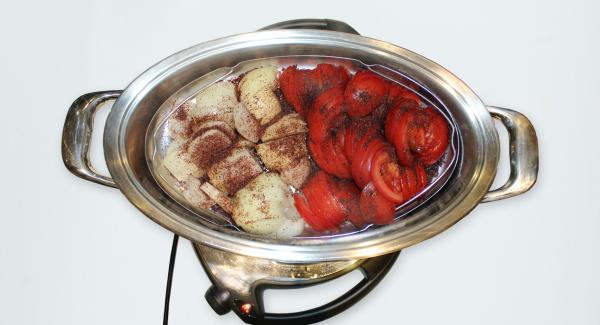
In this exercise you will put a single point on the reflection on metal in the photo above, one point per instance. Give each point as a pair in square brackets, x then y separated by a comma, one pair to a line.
[77, 134]
[523, 151]
[239, 281]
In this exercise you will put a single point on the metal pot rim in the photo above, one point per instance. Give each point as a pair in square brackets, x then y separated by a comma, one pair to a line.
[474, 175]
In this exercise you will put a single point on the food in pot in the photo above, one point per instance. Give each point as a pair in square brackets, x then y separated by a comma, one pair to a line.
[345, 119]
[318, 147]
[265, 206]
[217, 150]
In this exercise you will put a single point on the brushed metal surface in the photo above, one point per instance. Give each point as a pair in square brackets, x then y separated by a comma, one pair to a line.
[77, 134]
[240, 280]
[523, 153]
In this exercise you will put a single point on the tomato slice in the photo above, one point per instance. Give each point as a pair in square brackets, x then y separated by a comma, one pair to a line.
[363, 159]
[349, 141]
[319, 157]
[328, 212]
[397, 92]
[365, 92]
[326, 76]
[401, 138]
[330, 157]
[292, 83]
[336, 154]
[307, 214]
[348, 195]
[360, 134]
[374, 207]
[421, 176]
[301, 87]
[325, 114]
[379, 180]
[435, 137]
[410, 189]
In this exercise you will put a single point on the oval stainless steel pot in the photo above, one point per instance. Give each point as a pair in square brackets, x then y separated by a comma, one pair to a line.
[125, 137]
[240, 263]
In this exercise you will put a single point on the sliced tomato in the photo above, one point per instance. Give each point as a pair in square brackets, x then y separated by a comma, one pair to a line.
[365, 92]
[374, 207]
[411, 188]
[421, 176]
[321, 158]
[391, 122]
[308, 215]
[397, 92]
[337, 157]
[435, 136]
[328, 211]
[328, 76]
[401, 138]
[348, 195]
[349, 141]
[301, 87]
[393, 117]
[292, 83]
[326, 114]
[356, 133]
[384, 173]
[363, 159]
[417, 134]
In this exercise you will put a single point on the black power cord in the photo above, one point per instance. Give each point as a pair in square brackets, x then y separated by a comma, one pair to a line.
[170, 279]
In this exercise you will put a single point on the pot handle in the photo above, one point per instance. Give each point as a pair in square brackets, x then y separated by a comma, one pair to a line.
[523, 151]
[314, 23]
[77, 133]
[373, 269]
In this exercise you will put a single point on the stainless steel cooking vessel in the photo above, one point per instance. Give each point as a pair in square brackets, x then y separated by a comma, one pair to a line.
[125, 139]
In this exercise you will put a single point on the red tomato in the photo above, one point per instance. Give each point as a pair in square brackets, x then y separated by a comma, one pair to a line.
[321, 158]
[328, 212]
[375, 207]
[356, 132]
[365, 92]
[410, 177]
[417, 134]
[327, 201]
[326, 114]
[363, 158]
[349, 141]
[398, 92]
[307, 214]
[400, 137]
[327, 76]
[292, 82]
[301, 87]
[435, 137]
[421, 176]
[393, 116]
[348, 195]
[385, 174]
[340, 166]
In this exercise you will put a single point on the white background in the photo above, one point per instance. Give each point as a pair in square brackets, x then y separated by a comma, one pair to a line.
[73, 252]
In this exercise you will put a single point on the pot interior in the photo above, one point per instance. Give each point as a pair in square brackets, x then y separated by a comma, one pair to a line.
[165, 125]
[133, 141]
